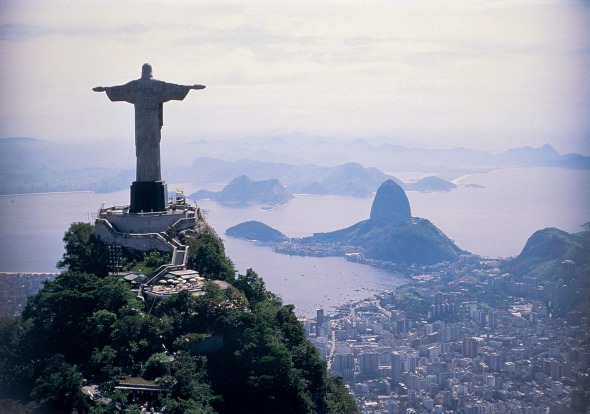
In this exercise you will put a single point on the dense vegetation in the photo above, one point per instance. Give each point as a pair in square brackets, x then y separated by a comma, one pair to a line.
[545, 251]
[230, 350]
[86, 253]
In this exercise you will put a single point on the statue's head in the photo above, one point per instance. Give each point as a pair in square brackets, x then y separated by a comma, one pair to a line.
[146, 71]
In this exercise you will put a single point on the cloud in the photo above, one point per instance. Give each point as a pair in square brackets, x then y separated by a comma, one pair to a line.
[25, 32]
[453, 71]
[12, 32]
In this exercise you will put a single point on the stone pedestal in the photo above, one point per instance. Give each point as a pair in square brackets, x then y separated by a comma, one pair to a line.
[148, 196]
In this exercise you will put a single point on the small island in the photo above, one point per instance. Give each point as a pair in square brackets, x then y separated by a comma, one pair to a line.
[431, 184]
[256, 231]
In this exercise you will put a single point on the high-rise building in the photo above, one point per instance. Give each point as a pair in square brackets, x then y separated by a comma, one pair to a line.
[411, 362]
[492, 318]
[396, 368]
[470, 347]
[495, 362]
[369, 363]
[438, 298]
[447, 399]
[579, 401]
[319, 322]
[343, 365]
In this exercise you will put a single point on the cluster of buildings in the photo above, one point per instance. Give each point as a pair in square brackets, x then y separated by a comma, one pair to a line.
[473, 349]
[16, 288]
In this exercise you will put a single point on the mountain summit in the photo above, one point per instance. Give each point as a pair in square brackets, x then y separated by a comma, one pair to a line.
[391, 204]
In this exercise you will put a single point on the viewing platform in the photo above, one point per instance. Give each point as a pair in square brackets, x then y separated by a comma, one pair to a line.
[145, 231]
[180, 216]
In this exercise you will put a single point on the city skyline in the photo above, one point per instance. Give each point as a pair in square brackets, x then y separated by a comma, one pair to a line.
[483, 75]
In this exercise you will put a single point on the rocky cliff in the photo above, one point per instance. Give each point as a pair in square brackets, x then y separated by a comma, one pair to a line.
[391, 204]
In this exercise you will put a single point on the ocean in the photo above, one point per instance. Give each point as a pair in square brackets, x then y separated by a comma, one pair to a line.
[490, 214]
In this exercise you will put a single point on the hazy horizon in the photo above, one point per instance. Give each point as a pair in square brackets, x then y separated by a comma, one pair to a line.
[478, 74]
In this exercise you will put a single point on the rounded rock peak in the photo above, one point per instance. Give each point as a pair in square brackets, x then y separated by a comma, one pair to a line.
[391, 204]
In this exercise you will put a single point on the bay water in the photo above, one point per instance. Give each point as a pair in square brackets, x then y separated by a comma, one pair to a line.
[490, 214]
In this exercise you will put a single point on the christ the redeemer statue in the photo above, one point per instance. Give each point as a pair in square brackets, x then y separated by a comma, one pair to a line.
[147, 96]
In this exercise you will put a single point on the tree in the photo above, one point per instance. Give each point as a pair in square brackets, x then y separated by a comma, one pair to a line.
[16, 373]
[156, 366]
[137, 336]
[274, 368]
[155, 259]
[74, 314]
[84, 252]
[60, 387]
[253, 287]
[338, 398]
[192, 392]
[207, 256]
[84, 325]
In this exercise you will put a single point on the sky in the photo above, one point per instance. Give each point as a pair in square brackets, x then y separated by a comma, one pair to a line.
[488, 75]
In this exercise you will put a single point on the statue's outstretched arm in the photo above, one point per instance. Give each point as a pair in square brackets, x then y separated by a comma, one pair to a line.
[197, 87]
[99, 89]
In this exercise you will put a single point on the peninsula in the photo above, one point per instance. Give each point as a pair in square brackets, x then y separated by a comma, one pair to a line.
[390, 234]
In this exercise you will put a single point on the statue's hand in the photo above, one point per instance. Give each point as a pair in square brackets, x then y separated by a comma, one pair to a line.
[99, 89]
[198, 87]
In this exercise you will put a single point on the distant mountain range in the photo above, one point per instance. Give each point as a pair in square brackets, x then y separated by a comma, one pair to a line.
[30, 165]
[304, 164]
[329, 151]
[390, 234]
[349, 179]
[387, 154]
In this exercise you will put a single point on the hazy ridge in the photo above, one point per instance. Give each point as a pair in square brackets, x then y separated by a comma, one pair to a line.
[318, 165]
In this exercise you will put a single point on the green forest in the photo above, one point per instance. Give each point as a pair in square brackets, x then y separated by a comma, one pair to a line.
[234, 350]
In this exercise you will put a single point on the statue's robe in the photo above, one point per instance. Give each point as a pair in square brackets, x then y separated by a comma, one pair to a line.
[148, 96]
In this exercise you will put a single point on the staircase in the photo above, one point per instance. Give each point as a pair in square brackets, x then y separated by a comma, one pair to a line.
[178, 261]
[145, 241]
[180, 256]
